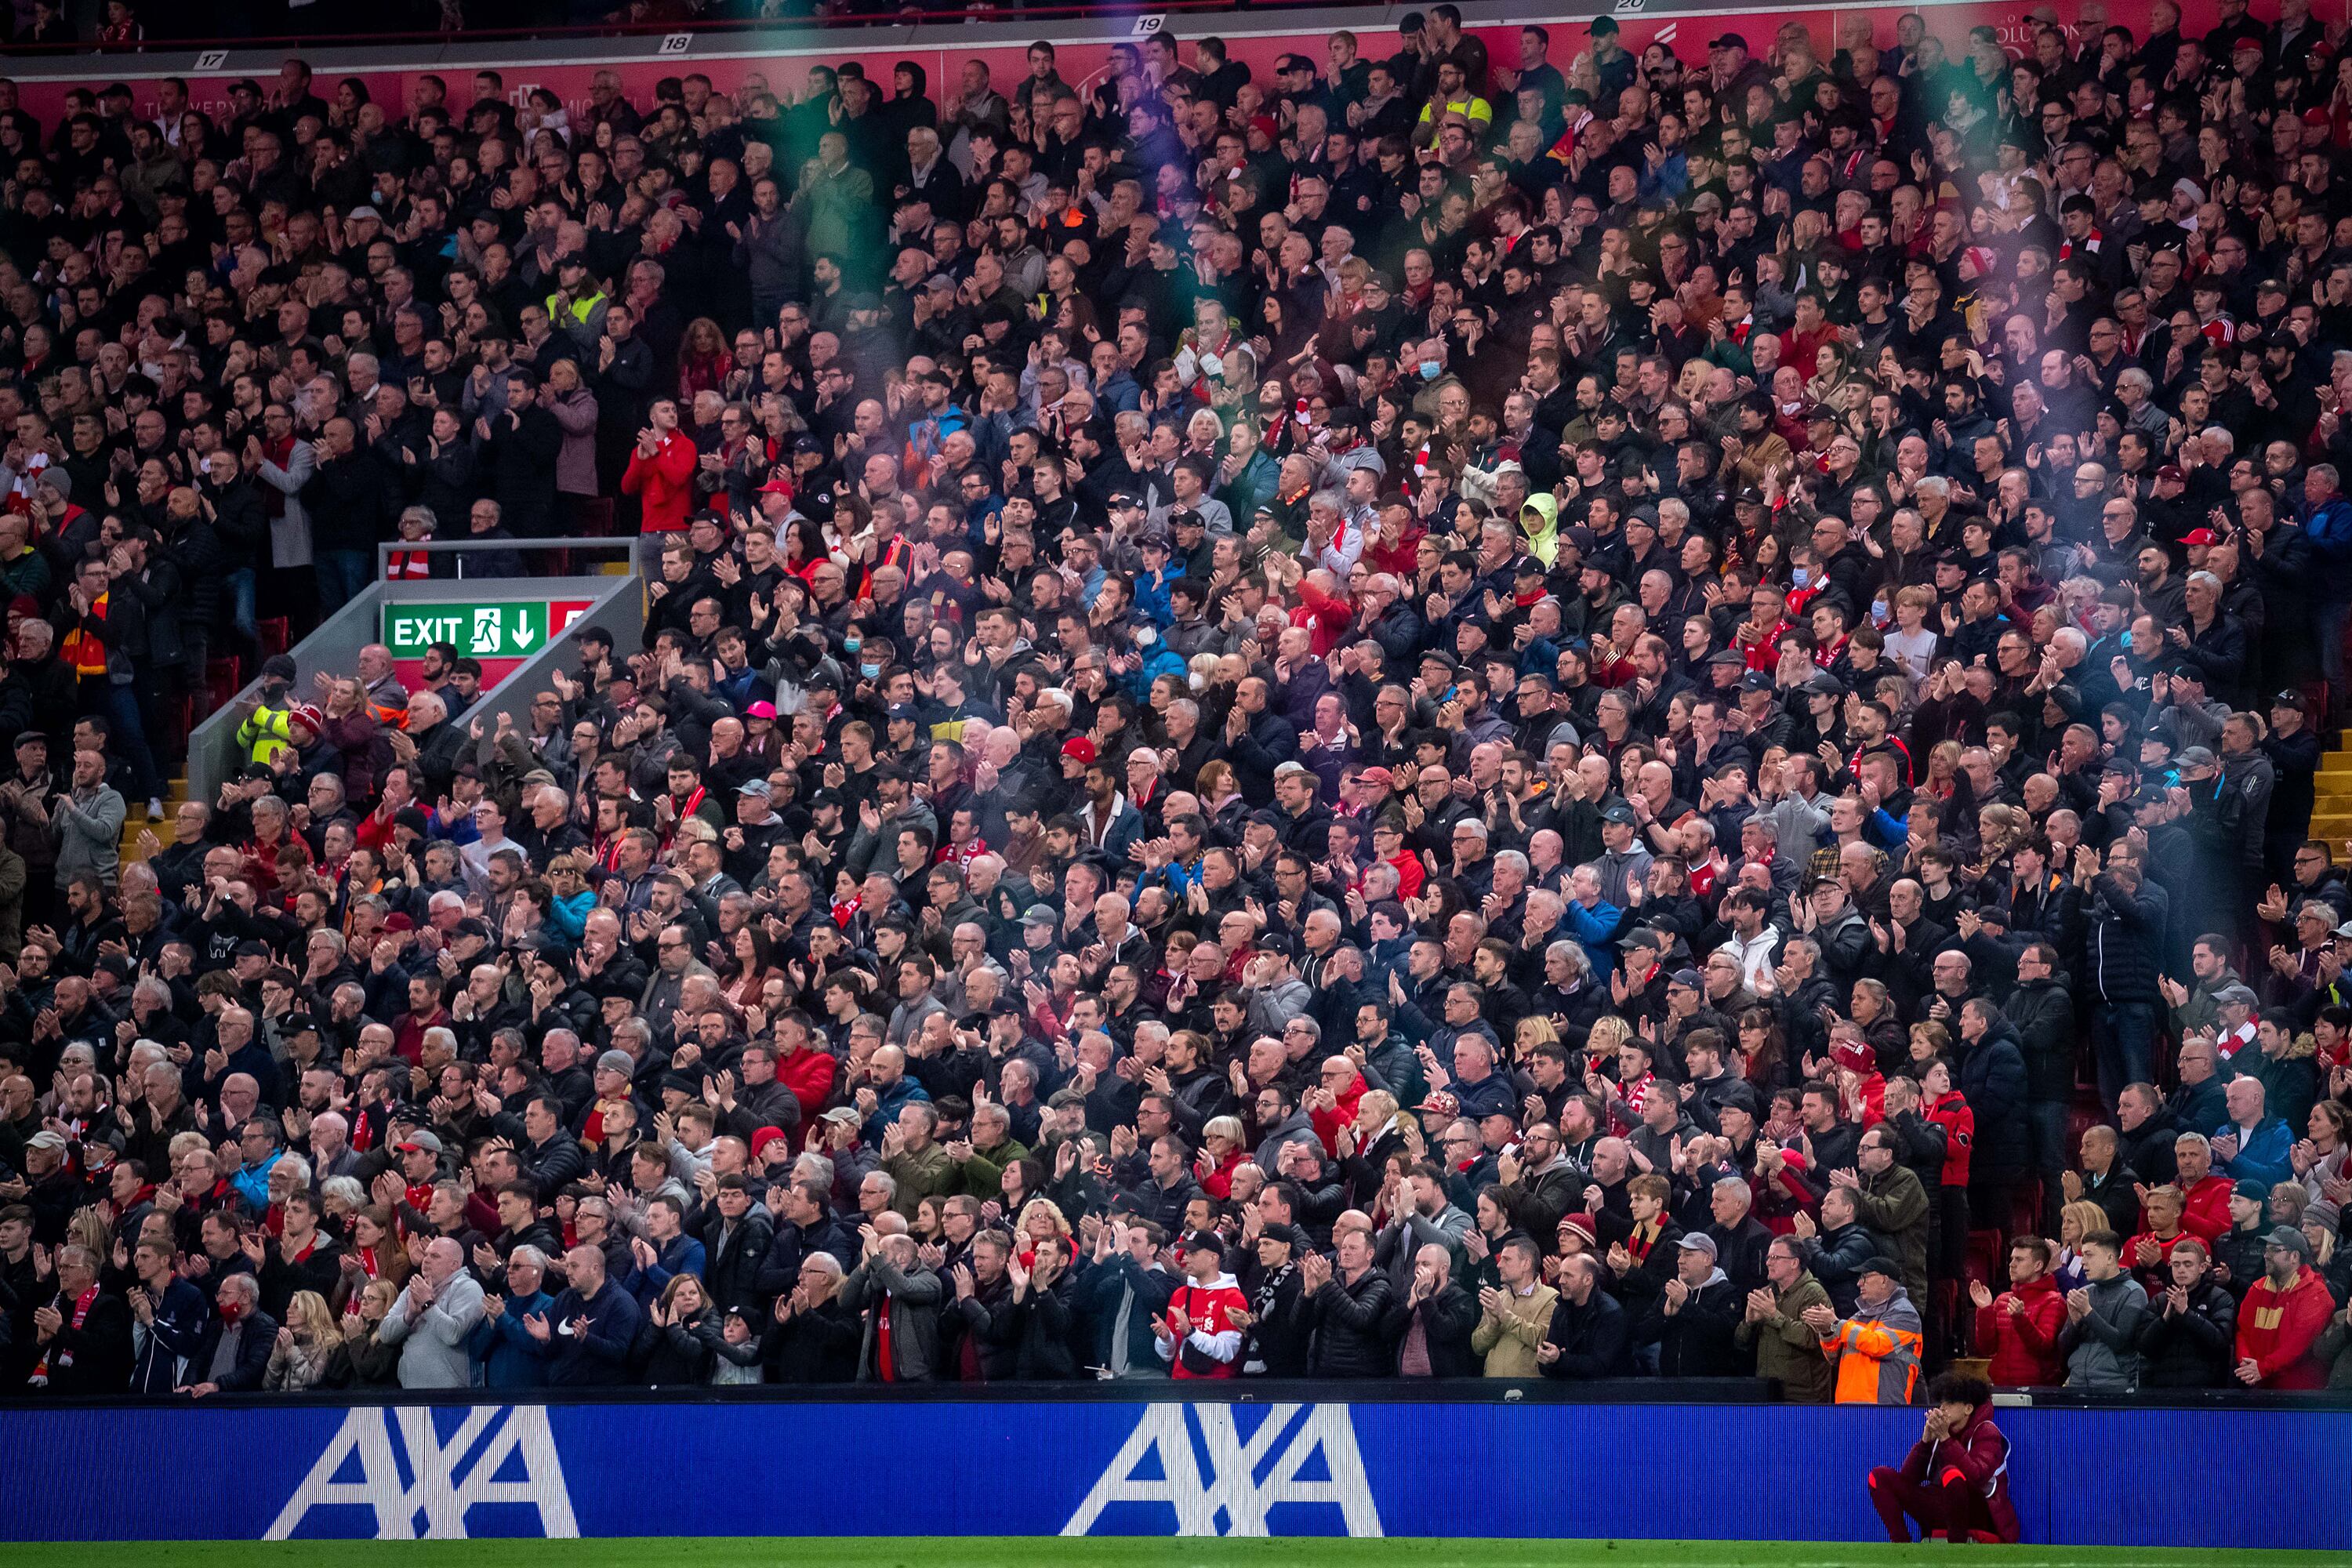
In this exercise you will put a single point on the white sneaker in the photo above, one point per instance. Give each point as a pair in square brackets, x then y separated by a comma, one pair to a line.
[154, 808]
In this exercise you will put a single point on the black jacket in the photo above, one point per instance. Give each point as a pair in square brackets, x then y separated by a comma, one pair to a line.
[519, 462]
[819, 1345]
[1993, 1081]
[2118, 1195]
[1594, 1340]
[2148, 1149]
[980, 1334]
[1835, 1258]
[1282, 1340]
[1046, 1351]
[791, 1246]
[1638, 1287]
[2192, 1348]
[2240, 1251]
[672, 1355]
[2124, 933]
[252, 1353]
[1696, 1340]
[1447, 1321]
[346, 503]
[1347, 1319]
[280, 1277]
[1740, 1253]
[731, 1276]
[2043, 1014]
[96, 1358]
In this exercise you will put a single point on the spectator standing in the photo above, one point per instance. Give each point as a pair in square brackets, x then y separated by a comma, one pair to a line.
[1875, 1348]
[2282, 1317]
[2106, 1316]
[433, 1318]
[1773, 1322]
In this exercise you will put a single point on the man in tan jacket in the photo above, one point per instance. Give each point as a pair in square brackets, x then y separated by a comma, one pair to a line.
[1514, 1317]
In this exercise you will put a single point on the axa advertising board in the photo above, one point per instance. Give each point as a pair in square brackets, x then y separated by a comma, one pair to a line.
[1149, 1467]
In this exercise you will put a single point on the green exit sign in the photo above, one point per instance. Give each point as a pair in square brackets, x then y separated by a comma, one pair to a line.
[512, 629]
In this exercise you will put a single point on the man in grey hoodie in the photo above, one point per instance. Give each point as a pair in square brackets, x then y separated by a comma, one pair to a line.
[435, 1316]
[1274, 993]
[2105, 1319]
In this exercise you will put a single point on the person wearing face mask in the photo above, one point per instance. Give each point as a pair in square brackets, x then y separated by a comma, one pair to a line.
[870, 662]
[266, 730]
[234, 1353]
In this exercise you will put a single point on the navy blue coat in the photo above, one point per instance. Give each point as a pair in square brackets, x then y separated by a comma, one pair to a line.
[1993, 1079]
[252, 1355]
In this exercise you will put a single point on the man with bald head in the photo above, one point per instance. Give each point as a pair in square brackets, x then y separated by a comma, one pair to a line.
[588, 1334]
[433, 1318]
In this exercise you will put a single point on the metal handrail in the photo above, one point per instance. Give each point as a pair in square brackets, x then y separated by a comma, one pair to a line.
[462, 547]
[725, 27]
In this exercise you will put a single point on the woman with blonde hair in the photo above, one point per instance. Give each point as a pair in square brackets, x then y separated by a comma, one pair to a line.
[1608, 1032]
[1999, 829]
[567, 879]
[364, 1360]
[1224, 1144]
[1041, 1221]
[2075, 1221]
[1534, 1030]
[89, 1229]
[305, 1352]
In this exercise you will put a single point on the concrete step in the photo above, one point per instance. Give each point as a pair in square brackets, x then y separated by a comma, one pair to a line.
[135, 820]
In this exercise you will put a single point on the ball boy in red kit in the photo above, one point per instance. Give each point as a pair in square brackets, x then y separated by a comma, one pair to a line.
[1956, 1480]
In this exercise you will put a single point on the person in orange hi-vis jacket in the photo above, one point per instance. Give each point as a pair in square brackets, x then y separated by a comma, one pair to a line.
[1200, 1333]
[2288, 1309]
[1877, 1349]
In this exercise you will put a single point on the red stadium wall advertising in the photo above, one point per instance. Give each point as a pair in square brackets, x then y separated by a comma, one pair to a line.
[730, 59]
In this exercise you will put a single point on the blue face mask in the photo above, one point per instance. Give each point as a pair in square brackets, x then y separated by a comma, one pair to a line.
[1800, 576]
[851, 645]
[1428, 369]
[870, 671]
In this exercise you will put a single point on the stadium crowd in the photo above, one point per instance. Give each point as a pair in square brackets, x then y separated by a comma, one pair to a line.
[1441, 716]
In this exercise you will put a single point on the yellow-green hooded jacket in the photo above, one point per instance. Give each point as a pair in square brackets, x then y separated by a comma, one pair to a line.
[1543, 534]
[265, 732]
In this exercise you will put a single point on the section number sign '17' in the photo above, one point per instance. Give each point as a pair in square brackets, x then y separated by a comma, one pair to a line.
[502, 634]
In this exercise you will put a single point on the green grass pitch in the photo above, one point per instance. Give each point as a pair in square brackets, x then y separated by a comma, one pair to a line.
[1094, 1553]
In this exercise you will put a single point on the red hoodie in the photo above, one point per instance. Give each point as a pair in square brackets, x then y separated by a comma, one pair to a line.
[1343, 1114]
[2207, 1214]
[2276, 1329]
[664, 483]
[2025, 1344]
[808, 1075]
[1953, 1114]
[1976, 1455]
